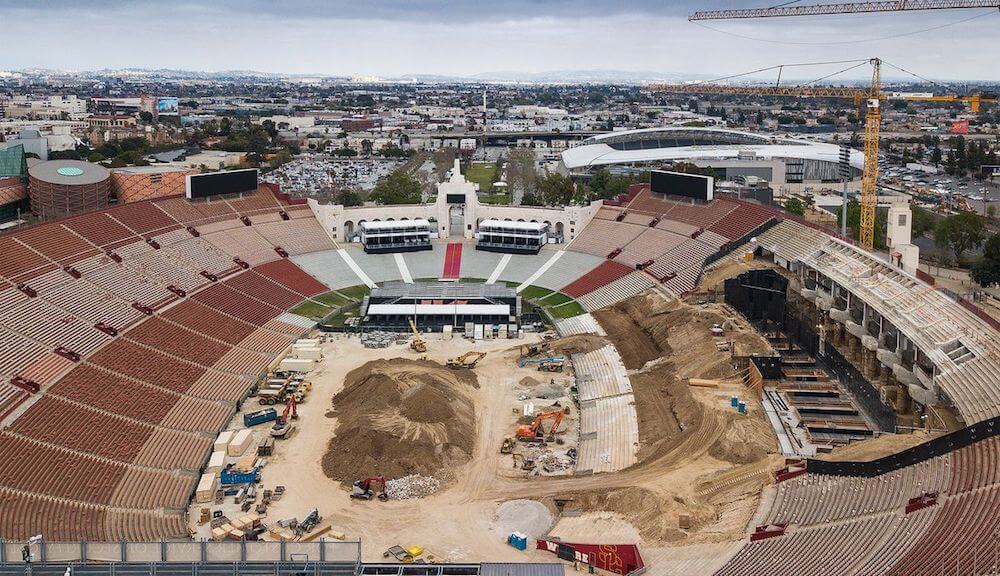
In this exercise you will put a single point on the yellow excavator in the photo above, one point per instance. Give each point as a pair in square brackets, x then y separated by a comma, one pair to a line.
[417, 344]
[467, 360]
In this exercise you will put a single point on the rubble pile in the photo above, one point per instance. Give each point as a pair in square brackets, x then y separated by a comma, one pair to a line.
[551, 461]
[380, 339]
[412, 486]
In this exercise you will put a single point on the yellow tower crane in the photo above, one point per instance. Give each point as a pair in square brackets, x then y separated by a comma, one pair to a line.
[790, 9]
[872, 99]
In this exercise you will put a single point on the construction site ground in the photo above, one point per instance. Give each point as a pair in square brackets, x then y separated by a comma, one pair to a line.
[700, 461]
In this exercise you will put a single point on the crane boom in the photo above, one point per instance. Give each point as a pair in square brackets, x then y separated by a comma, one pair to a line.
[737, 90]
[842, 8]
[872, 97]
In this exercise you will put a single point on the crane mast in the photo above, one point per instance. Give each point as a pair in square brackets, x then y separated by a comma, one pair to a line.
[872, 99]
[869, 178]
[842, 8]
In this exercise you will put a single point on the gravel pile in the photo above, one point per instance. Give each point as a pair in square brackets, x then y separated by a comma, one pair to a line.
[412, 486]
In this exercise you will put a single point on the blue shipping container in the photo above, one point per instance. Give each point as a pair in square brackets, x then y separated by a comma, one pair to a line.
[259, 417]
[228, 477]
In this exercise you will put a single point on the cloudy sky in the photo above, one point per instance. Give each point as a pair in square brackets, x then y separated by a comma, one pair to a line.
[467, 37]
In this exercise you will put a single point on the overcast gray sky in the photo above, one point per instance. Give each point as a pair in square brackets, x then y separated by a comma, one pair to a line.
[465, 37]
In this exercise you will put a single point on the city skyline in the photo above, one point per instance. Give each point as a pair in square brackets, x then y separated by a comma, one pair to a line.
[461, 39]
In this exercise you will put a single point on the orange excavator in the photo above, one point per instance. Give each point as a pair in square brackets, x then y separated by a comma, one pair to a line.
[283, 426]
[370, 488]
[536, 431]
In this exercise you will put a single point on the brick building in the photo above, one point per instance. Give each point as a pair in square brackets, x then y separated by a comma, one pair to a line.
[135, 183]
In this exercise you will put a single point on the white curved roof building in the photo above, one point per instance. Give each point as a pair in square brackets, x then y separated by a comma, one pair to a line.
[779, 160]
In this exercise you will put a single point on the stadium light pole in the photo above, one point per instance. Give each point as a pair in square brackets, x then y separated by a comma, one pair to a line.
[845, 177]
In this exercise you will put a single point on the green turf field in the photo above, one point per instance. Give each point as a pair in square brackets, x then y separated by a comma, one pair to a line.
[481, 173]
[332, 299]
[311, 309]
[535, 292]
[355, 292]
[568, 310]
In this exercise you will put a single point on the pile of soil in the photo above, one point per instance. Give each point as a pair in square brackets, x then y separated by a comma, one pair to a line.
[577, 344]
[746, 440]
[665, 408]
[655, 516]
[638, 327]
[400, 417]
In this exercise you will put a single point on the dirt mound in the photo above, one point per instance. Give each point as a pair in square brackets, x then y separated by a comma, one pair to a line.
[665, 407]
[400, 417]
[746, 440]
[426, 404]
[529, 382]
[639, 328]
[654, 515]
[577, 344]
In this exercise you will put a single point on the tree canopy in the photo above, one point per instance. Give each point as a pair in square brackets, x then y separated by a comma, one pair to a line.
[555, 190]
[987, 271]
[397, 188]
[960, 233]
[348, 197]
[795, 206]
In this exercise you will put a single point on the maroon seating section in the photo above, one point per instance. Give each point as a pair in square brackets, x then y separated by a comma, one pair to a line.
[181, 210]
[963, 536]
[234, 303]
[23, 514]
[20, 263]
[262, 200]
[35, 467]
[57, 243]
[701, 215]
[289, 275]
[955, 536]
[208, 321]
[259, 287]
[742, 221]
[143, 217]
[60, 422]
[605, 273]
[126, 357]
[97, 450]
[172, 339]
[114, 394]
[99, 229]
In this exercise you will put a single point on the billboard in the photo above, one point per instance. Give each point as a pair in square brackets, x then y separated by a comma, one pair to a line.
[167, 107]
[680, 184]
[221, 183]
[959, 127]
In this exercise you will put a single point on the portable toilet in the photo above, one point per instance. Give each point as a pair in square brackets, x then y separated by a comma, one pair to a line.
[734, 401]
[517, 540]
[743, 408]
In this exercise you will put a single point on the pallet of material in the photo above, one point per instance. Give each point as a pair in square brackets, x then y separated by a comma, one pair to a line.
[241, 441]
[206, 488]
[216, 461]
[246, 463]
[223, 440]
